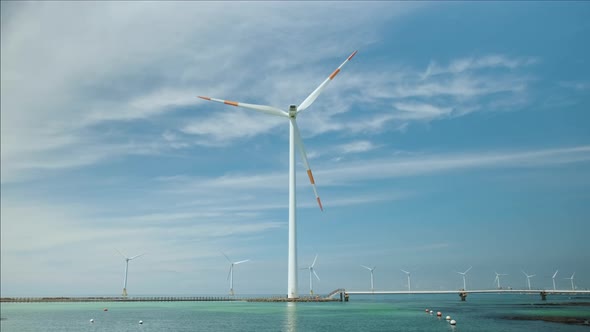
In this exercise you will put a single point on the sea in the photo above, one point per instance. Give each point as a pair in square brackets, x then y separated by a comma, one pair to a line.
[481, 312]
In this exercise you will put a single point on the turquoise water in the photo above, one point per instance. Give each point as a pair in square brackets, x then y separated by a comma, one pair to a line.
[363, 313]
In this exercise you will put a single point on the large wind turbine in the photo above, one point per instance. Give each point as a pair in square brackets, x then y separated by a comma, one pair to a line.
[497, 279]
[572, 280]
[294, 140]
[464, 274]
[553, 278]
[127, 259]
[230, 275]
[370, 269]
[312, 271]
[409, 280]
[528, 278]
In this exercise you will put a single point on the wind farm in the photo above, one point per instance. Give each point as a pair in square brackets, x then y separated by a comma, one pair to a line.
[447, 152]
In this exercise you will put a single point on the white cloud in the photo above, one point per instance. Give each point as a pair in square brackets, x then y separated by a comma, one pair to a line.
[356, 147]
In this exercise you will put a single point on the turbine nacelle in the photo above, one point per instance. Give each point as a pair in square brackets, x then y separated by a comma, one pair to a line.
[292, 111]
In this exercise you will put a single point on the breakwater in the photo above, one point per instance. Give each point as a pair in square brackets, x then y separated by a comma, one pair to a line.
[164, 299]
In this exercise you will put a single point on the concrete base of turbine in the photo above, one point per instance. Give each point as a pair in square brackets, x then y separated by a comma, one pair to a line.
[124, 291]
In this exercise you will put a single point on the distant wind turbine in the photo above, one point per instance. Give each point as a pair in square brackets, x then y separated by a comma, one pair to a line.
[572, 280]
[370, 269]
[553, 278]
[312, 271]
[127, 259]
[528, 278]
[230, 275]
[497, 279]
[464, 274]
[409, 280]
[294, 141]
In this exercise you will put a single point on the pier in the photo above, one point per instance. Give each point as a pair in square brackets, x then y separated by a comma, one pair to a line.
[166, 299]
[463, 293]
[338, 295]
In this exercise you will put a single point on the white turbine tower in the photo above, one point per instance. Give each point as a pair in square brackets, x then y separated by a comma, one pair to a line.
[464, 274]
[230, 275]
[370, 269]
[409, 280]
[497, 279]
[572, 280]
[294, 140]
[127, 259]
[528, 278]
[312, 271]
[553, 278]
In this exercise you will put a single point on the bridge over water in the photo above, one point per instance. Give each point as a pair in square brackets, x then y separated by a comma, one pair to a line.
[462, 293]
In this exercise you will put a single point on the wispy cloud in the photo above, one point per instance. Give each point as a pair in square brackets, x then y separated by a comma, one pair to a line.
[356, 147]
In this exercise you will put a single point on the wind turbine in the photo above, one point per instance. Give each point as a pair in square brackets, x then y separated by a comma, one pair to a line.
[127, 259]
[497, 279]
[312, 271]
[464, 274]
[370, 269]
[553, 278]
[230, 275]
[528, 278]
[294, 140]
[572, 280]
[409, 280]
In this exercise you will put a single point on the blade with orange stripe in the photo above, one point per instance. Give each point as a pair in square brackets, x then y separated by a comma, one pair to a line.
[312, 97]
[260, 108]
[301, 148]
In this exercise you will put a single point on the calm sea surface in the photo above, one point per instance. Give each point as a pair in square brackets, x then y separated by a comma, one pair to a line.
[484, 312]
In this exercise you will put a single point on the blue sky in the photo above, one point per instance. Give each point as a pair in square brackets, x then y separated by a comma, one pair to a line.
[458, 136]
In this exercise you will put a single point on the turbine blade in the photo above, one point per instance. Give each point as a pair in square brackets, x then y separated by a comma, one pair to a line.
[468, 270]
[136, 256]
[229, 273]
[299, 144]
[260, 108]
[555, 274]
[314, 260]
[229, 260]
[121, 254]
[404, 271]
[315, 274]
[312, 97]
[366, 267]
[240, 262]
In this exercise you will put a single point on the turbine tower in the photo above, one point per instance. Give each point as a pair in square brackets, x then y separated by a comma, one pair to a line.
[312, 271]
[294, 140]
[497, 279]
[553, 278]
[230, 275]
[127, 259]
[409, 280]
[370, 269]
[528, 278]
[572, 280]
[464, 274]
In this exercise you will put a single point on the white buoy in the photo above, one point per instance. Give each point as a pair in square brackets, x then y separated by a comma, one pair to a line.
[438, 314]
[448, 317]
[431, 312]
[453, 322]
[140, 322]
[91, 320]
